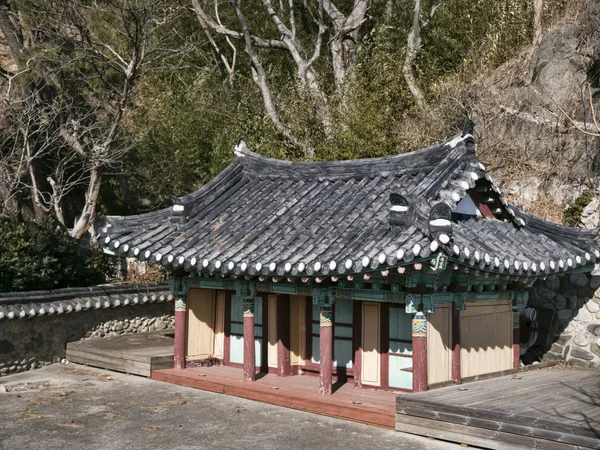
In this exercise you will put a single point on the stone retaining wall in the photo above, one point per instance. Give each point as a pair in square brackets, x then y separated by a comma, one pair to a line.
[569, 320]
[31, 342]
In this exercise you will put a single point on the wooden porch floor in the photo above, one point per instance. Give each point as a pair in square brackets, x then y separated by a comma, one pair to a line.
[547, 408]
[138, 353]
[300, 392]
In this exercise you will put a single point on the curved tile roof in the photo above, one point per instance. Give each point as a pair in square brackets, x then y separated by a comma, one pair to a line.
[266, 216]
[20, 305]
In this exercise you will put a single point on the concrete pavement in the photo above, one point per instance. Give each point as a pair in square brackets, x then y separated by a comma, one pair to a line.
[67, 406]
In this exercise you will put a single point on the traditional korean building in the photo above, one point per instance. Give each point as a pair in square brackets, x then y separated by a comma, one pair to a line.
[402, 272]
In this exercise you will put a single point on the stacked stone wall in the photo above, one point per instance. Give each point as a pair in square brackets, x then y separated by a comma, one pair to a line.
[569, 320]
[31, 342]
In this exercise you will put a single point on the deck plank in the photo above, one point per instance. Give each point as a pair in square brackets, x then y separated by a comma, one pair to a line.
[552, 406]
[137, 354]
[297, 392]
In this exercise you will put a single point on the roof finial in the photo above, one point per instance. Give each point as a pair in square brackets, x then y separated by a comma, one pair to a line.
[240, 148]
[465, 136]
[468, 129]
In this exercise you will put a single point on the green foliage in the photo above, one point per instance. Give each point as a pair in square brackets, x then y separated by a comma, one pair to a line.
[573, 211]
[182, 124]
[38, 256]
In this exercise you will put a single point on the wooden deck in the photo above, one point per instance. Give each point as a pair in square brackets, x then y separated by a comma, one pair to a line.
[549, 408]
[138, 354]
[298, 392]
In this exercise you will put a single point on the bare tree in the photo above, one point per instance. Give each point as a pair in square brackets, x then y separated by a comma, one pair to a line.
[65, 108]
[342, 47]
[413, 49]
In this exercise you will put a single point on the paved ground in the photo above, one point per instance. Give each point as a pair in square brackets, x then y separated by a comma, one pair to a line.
[77, 407]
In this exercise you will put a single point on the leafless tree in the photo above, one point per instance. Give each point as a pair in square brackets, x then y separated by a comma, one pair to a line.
[413, 48]
[343, 29]
[64, 108]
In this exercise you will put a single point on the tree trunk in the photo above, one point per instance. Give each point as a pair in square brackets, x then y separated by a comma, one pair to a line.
[413, 47]
[538, 9]
[88, 214]
[11, 32]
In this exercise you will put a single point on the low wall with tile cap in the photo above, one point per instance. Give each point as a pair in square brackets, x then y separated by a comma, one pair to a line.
[568, 319]
[36, 326]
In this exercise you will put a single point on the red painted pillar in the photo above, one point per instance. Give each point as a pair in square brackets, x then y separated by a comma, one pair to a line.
[325, 350]
[419, 344]
[456, 345]
[516, 347]
[249, 355]
[284, 367]
[180, 334]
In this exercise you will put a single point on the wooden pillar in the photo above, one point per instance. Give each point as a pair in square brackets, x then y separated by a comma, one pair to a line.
[249, 354]
[516, 347]
[326, 349]
[180, 334]
[284, 367]
[419, 344]
[456, 345]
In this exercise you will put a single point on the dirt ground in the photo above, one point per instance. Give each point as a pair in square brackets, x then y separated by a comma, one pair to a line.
[67, 406]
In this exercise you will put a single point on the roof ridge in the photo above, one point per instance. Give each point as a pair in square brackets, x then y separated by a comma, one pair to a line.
[419, 159]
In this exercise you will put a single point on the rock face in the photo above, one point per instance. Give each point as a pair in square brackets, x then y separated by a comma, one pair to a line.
[590, 215]
[29, 343]
[522, 96]
[570, 330]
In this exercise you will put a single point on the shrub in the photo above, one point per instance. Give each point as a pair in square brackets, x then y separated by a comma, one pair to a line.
[39, 256]
[573, 211]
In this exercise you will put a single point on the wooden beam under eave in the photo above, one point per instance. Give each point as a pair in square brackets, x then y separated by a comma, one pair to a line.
[479, 200]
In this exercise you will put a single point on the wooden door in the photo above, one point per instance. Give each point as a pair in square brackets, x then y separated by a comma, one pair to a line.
[200, 323]
[236, 330]
[439, 344]
[236, 336]
[371, 360]
[272, 332]
[486, 338]
[219, 350]
[400, 362]
[297, 330]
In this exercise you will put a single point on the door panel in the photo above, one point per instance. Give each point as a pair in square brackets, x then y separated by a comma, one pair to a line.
[272, 352]
[297, 330]
[220, 325]
[236, 342]
[200, 323]
[486, 338]
[371, 364]
[400, 349]
[439, 343]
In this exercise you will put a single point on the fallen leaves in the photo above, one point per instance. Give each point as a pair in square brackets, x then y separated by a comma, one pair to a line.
[71, 425]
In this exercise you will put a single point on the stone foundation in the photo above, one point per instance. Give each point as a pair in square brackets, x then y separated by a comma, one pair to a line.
[29, 343]
[569, 320]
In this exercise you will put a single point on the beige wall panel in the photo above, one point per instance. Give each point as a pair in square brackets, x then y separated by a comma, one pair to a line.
[439, 344]
[220, 326]
[297, 330]
[200, 323]
[371, 369]
[272, 355]
[486, 338]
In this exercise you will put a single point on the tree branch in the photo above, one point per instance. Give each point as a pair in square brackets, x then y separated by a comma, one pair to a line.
[260, 78]
[413, 49]
[220, 29]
